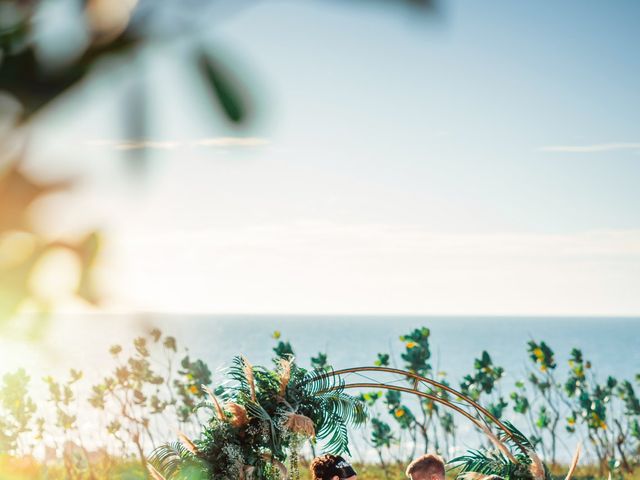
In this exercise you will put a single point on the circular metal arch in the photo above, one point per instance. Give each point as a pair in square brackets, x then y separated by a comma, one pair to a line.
[467, 407]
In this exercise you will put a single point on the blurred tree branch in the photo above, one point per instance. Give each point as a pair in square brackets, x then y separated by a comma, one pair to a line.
[109, 29]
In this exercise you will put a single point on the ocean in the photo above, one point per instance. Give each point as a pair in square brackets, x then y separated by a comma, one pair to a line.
[611, 344]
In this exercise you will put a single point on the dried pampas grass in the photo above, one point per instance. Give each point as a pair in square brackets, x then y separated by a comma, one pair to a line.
[239, 417]
[248, 371]
[300, 424]
[216, 403]
[247, 472]
[574, 463]
[155, 474]
[188, 444]
[537, 467]
[285, 375]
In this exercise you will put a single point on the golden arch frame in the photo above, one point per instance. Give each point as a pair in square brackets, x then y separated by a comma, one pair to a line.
[422, 387]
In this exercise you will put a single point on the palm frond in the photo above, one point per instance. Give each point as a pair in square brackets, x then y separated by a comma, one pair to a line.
[499, 444]
[236, 373]
[168, 459]
[319, 381]
[471, 476]
[351, 409]
[329, 406]
[485, 463]
[521, 440]
[335, 429]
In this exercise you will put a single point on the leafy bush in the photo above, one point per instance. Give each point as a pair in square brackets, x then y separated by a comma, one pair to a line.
[152, 390]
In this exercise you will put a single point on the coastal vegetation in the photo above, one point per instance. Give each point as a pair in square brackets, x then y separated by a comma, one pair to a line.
[158, 406]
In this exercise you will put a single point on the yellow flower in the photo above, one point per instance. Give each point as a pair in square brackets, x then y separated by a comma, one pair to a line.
[411, 345]
[603, 425]
[399, 413]
[538, 353]
[276, 334]
[193, 389]
[571, 421]
[543, 368]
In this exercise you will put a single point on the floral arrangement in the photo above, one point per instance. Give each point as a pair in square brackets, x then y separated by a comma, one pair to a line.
[259, 422]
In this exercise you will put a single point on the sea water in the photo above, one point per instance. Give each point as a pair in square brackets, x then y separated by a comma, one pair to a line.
[611, 344]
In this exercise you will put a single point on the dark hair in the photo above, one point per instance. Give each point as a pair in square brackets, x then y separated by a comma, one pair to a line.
[428, 464]
[328, 466]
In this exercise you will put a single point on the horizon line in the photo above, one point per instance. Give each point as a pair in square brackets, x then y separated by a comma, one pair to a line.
[635, 316]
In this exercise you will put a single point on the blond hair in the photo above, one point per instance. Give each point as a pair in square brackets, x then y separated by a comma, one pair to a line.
[429, 464]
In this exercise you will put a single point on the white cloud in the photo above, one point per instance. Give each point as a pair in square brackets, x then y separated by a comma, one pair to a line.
[594, 148]
[317, 267]
[213, 142]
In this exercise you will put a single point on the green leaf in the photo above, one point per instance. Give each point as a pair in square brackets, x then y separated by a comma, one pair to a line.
[224, 86]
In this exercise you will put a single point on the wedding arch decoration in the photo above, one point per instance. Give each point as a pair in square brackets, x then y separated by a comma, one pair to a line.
[513, 456]
[262, 417]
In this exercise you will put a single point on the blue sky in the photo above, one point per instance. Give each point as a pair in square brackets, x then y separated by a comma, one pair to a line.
[462, 110]
[485, 163]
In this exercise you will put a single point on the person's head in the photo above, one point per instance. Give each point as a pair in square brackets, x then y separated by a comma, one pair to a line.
[427, 467]
[331, 467]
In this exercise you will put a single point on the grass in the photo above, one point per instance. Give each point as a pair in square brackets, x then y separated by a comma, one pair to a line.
[396, 472]
[27, 468]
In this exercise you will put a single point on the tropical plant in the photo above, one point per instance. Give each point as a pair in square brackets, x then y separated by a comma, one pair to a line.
[262, 416]
[262, 419]
[588, 404]
[191, 376]
[283, 349]
[17, 410]
[321, 362]
[544, 412]
[63, 395]
[416, 355]
[605, 411]
[382, 436]
[512, 457]
[135, 392]
[483, 379]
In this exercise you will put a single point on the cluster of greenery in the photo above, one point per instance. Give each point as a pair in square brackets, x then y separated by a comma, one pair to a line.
[247, 422]
[602, 416]
[261, 420]
[147, 390]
